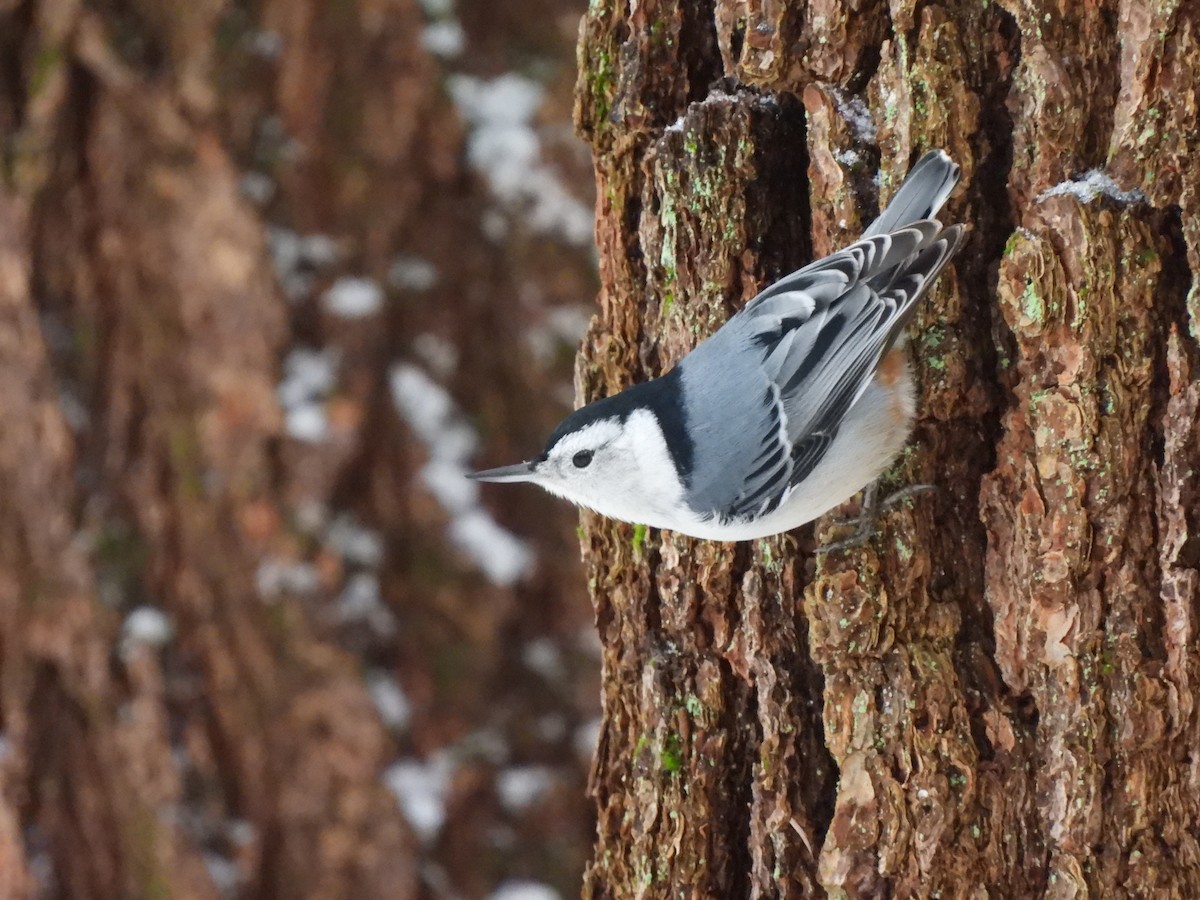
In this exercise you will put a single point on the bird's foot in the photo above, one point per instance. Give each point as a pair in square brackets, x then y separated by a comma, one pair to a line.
[866, 523]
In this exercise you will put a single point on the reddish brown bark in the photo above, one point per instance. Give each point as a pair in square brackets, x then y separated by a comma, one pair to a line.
[994, 695]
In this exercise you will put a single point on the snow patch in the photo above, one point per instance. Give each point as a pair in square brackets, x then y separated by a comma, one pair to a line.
[437, 9]
[848, 158]
[412, 273]
[425, 405]
[542, 655]
[319, 250]
[74, 410]
[354, 298]
[562, 325]
[444, 39]
[522, 786]
[1090, 185]
[494, 225]
[276, 578]
[510, 99]
[224, 872]
[266, 44]
[257, 187]
[240, 832]
[436, 352]
[434, 416]
[43, 872]
[310, 516]
[274, 140]
[503, 557]
[362, 601]
[446, 480]
[420, 789]
[857, 116]
[550, 728]
[587, 641]
[354, 543]
[717, 96]
[523, 890]
[147, 626]
[393, 706]
[503, 145]
[488, 744]
[308, 377]
[307, 423]
[297, 256]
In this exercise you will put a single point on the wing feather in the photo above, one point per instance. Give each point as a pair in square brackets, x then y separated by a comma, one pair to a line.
[823, 331]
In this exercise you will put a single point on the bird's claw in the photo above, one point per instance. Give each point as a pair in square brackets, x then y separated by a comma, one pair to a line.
[868, 518]
[861, 536]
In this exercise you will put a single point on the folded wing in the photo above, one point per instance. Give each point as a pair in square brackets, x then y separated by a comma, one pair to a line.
[822, 332]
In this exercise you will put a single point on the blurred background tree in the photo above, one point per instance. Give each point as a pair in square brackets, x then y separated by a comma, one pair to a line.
[266, 271]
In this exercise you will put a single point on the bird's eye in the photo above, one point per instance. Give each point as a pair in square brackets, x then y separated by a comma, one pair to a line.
[582, 459]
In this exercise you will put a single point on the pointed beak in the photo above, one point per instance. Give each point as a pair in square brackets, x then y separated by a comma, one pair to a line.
[504, 474]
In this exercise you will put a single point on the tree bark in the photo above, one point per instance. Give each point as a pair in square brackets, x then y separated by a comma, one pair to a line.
[994, 696]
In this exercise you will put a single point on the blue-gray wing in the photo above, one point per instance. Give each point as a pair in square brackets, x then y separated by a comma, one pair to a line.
[819, 335]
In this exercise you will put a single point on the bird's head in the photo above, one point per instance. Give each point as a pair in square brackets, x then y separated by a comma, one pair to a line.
[611, 456]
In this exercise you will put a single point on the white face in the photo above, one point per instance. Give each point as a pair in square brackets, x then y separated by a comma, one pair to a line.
[620, 470]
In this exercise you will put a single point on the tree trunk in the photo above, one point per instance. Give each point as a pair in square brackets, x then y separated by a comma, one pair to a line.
[994, 696]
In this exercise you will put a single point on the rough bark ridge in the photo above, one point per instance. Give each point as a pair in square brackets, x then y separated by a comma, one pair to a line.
[995, 697]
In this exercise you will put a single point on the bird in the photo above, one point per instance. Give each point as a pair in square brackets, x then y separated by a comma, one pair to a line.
[799, 401]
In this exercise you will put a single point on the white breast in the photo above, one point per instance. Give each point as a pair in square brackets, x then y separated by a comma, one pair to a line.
[650, 492]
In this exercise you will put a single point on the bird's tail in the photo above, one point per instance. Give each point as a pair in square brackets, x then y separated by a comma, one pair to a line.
[922, 194]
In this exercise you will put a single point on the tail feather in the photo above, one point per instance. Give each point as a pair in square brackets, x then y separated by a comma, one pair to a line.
[919, 275]
[922, 194]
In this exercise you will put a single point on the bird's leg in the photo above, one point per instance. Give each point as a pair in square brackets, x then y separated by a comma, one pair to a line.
[897, 497]
[864, 523]
[867, 519]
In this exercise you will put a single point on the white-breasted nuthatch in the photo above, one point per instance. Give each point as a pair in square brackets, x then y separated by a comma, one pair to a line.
[799, 401]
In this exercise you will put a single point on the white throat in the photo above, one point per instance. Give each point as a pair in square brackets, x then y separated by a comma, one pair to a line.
[648, 491]
[656, 490]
